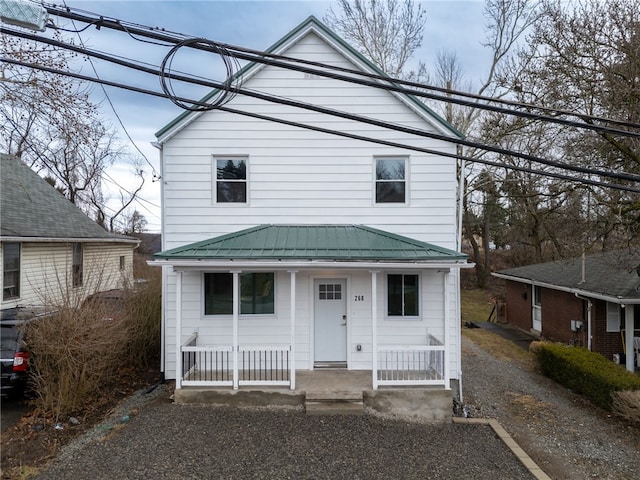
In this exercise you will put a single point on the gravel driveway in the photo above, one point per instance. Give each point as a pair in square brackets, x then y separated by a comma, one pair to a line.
[564, 434]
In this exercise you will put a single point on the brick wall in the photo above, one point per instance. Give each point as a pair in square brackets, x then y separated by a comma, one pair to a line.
[558, 309]
[518, 298]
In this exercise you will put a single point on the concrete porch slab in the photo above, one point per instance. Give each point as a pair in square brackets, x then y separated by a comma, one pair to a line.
[332, 386]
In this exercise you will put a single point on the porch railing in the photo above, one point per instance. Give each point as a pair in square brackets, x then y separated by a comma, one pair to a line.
[411, 364]
[213, 365]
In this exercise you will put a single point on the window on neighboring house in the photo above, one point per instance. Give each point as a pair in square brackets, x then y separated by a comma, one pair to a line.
[391, 180]
[11, 271]
[231, 180]
[256, 293]
[402, 295]
[122, 264]
[77, 264]
[614, 317]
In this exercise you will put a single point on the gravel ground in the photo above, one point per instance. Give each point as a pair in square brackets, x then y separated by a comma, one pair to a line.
[564, 434]
[167, 441]
[150, 437]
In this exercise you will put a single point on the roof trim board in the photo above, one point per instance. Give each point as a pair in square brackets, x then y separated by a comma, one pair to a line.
[311, 24]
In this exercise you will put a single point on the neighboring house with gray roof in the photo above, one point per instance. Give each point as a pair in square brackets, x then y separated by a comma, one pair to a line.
[591, 301]
[289, 249]
[51, 251]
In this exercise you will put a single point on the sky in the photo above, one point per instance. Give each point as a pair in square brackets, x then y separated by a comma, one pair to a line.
[454, 25]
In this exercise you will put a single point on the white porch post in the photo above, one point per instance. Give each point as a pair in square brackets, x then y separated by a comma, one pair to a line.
[292, 373]
[178, 330]
[236, 313]
[628, 337]
[374, 329]
[447, 322]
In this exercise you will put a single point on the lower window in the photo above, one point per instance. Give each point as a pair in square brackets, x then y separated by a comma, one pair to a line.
[402, 295]
[256, 293]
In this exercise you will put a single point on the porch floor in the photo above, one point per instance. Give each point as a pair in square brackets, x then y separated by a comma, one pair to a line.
[430, 402]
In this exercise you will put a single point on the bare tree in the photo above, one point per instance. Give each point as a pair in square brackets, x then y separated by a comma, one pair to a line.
[387, 32]
[50, 122]
[582, 57]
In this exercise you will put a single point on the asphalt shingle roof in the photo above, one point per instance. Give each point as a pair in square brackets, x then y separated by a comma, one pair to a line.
[326, 242]
[615, 274]
[31, 208]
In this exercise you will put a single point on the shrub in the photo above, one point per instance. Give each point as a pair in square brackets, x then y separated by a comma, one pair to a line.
[143, 309]
[627, 405]
[586, 372]
[75, 354]
[79, 352]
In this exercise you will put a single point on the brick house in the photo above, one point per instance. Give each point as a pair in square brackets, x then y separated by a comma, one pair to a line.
[592, 301]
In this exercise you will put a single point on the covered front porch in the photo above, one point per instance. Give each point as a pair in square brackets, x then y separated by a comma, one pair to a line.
[264, 308]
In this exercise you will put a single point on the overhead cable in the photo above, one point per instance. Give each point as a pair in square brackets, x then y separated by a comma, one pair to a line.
[324, 110]
[588, 180]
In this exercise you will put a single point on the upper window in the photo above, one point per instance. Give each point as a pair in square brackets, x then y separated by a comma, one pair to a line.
[402, 296]
[256, 293]
[391, 180]
[231, 180]
[11, 271]
[76, 269]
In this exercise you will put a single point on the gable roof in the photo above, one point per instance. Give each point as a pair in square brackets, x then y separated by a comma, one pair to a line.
[353, 243]
[612, 276]
[32, 209]
[312, 24]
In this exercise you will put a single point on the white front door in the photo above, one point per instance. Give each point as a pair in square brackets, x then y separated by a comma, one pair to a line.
[330, 320]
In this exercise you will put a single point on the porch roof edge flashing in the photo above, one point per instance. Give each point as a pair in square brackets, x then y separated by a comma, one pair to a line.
[203, 264]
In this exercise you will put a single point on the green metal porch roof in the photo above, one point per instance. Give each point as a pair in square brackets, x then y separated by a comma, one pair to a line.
[312, 242]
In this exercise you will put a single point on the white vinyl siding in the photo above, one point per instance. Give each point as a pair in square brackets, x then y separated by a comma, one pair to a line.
[298, 176]
[46, 272]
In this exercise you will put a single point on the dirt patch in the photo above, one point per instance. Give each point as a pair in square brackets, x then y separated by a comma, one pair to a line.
[34, 440]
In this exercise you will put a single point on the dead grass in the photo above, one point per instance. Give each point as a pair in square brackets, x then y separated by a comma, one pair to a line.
[477, 304]
[627, 404]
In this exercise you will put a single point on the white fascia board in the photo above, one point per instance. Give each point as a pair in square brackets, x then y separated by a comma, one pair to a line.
[68, 240]
[190, 264]
[573, 290]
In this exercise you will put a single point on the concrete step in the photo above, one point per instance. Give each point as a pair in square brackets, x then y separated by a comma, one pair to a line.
[334, 396]
[334, 408]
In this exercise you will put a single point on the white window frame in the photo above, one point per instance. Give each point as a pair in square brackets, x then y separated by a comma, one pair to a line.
[396, 318]
[214, 178]
[407, 190]
[613, 317]
[80, 265]
[5, 270]
[246, 315]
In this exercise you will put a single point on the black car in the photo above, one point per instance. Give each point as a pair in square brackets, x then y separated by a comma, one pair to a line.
[14, 355]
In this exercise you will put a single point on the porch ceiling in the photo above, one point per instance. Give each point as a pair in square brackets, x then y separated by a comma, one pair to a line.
[350, 243]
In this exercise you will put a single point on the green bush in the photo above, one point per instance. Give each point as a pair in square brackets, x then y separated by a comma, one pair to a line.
[585, 372]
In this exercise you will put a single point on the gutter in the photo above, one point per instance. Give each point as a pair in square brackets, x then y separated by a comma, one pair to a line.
[69, 240]
[195, 264]
[575, 291]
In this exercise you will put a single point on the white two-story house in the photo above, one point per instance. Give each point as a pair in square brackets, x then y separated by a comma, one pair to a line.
[289, 249]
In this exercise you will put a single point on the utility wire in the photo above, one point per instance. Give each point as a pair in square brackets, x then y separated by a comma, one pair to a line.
[390, 84]
[154, 174]
[358, 118]
[557, 175]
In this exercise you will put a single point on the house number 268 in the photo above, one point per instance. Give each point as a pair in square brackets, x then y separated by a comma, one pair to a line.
[358, 298]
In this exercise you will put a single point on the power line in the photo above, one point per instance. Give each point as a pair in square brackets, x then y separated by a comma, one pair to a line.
[358, 118]
[557, 175]
[391, 84]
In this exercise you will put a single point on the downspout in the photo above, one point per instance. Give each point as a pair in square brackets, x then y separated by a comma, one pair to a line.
[589, 305]
[458, 249]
